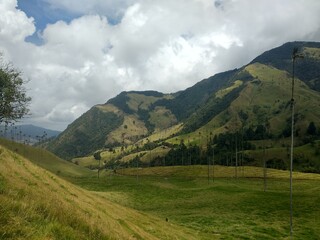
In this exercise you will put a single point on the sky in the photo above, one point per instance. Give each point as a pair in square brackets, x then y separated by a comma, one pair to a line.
[75, 54]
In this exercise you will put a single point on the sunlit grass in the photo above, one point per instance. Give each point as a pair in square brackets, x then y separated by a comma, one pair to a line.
[46, 159]
[138, 202]
[37, 204]
[226, 208]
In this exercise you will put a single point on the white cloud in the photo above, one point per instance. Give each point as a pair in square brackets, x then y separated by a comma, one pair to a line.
[161, 45]
[15, 25]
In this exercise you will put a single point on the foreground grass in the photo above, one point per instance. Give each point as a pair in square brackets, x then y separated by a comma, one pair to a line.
[37, 204]
[227, 208]
[46, 159]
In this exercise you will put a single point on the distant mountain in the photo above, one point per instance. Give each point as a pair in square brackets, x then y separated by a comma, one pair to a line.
[253, 97]
[27, 133]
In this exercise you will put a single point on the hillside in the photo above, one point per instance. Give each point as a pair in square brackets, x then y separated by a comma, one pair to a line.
[265, 101]
[36, 204]
[46, 160]
[307, 70]
[87, 133]
[255, 97]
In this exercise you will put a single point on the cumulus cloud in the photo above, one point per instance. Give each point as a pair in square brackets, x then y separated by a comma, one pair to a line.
[15, 25]
[140, 45]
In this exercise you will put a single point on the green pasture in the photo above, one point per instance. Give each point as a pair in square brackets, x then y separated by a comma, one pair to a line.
[211, 202]
[224, 207]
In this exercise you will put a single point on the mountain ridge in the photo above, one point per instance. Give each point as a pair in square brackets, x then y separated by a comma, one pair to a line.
[143, 113]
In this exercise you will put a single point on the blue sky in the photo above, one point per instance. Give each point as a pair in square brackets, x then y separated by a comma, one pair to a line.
[78, 53]
[43, 14]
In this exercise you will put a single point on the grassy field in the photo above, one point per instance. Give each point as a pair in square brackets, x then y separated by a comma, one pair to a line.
[226, 208]
[37, 204]
[152, 203]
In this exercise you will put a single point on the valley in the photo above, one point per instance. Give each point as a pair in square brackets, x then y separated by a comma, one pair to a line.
[208, 162]
[178, 202]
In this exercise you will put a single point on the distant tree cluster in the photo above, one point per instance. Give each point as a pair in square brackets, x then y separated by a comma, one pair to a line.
[258, 133]
[312, 129]
[312, 133]
[222, 146]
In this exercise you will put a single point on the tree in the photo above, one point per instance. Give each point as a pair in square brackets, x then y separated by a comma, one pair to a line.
[13, 98]
[260, 132]
[97, 156]
[312, 130]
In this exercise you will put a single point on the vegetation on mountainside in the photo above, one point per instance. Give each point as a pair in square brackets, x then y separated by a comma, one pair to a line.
[261, 115]
[86, 134]
[139, 104]
[212, 108]
[253, 100]
[131, 130]
[188, 101]
[308, 70]
[130, 102]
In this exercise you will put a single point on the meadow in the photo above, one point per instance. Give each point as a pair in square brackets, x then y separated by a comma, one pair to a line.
[66, 201]
[223, 207]
[37, 204]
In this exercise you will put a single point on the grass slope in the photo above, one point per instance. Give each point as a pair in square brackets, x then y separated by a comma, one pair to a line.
[46, 159]
[128, 132]
[36, 204]
[227, 208]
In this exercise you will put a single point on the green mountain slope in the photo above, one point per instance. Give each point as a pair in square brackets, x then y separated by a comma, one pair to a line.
[266, 101]
[307, 70]
[256, 95]
[87, 133]
[124, 119]
[188, 101]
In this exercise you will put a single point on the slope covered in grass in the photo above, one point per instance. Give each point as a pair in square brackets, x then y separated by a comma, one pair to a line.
[46, 159]
[36, 204]
[226, 208]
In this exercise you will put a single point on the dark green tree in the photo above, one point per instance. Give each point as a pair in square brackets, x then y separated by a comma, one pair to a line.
[97, 156]
[13, 98]
[312, 130]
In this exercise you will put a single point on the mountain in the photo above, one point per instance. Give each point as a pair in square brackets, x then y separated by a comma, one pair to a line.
[254, 98]
[27, 133]
[307, 70]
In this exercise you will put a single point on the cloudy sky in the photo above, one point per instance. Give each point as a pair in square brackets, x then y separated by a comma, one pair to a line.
[78, 53]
